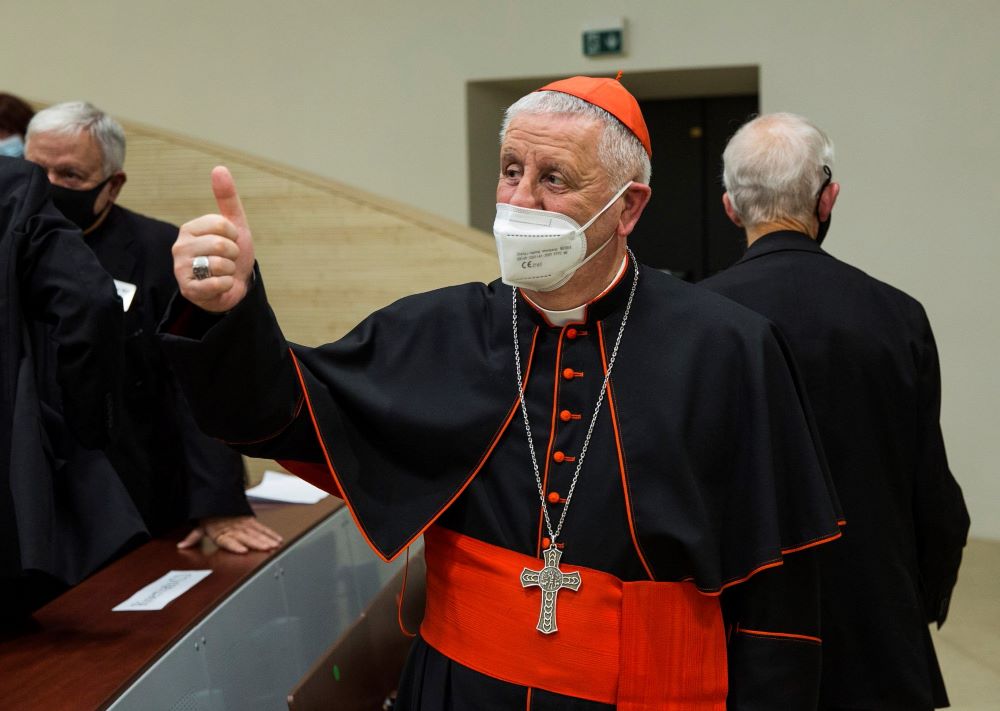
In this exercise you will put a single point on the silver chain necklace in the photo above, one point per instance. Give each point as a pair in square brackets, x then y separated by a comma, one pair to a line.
[550, 578]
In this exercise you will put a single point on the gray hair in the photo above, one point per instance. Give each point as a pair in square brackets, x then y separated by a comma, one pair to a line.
[619, 151]
[75, 116]
[773, 168]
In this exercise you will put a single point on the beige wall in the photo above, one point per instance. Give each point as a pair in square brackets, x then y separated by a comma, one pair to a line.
[372, 93]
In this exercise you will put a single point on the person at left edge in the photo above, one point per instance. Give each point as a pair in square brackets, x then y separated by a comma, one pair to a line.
[15, 113]
[173, 471]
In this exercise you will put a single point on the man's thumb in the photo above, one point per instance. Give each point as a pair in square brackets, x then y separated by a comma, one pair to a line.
[227, 198]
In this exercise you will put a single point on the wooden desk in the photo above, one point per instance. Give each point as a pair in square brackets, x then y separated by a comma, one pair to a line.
[83, 656]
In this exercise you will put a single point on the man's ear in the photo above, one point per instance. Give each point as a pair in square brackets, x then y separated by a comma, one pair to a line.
[115, 185]
[636, 198]
[727, 205]
[827, 200]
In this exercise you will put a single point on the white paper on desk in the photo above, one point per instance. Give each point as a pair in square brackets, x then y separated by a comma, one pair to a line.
[157, 594]
[285, 488]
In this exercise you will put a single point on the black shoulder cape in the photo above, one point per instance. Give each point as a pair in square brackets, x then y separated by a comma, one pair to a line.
[721, 466]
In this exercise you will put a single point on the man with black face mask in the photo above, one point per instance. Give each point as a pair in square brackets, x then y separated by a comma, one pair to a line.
[172, 470]
[870, 368]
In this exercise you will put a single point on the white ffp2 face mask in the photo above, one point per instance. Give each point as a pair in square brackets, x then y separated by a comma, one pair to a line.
[541, 250]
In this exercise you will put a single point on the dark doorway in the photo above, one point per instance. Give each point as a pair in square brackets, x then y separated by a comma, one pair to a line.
[684, 229]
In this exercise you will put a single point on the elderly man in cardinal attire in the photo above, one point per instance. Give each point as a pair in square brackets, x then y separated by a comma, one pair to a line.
[612, 471]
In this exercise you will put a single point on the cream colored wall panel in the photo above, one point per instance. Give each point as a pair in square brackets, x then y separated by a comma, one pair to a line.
[330, 254]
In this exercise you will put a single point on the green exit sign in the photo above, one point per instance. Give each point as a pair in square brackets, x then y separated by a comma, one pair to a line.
[598, 42]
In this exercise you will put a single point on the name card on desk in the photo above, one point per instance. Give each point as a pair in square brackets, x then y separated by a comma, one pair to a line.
[159, 593]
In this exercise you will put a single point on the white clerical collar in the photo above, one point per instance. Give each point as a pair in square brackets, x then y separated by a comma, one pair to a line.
[579, 313]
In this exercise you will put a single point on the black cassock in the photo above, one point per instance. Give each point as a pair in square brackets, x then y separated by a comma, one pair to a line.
[868, 359]
[172, 470]
[63, 511]
[701, 466]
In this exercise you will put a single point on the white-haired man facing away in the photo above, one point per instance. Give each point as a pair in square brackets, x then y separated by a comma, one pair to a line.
[870, 367]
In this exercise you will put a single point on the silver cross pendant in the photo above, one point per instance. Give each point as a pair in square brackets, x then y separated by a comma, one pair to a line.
[551, 580]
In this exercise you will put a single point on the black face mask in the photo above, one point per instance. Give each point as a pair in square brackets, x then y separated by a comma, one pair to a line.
[824, 227]
[77, 206]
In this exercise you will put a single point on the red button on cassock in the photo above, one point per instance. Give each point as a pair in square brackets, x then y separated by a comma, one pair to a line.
[565, 415]
[568, 373]
[571, 333]
[554, 497]
[558, 457]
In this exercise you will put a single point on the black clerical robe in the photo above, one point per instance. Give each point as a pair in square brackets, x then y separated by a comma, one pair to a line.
[63, 511]
[870, 366]
[701, 466]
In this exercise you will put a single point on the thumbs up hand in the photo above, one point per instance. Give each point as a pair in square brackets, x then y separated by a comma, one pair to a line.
[225, 240]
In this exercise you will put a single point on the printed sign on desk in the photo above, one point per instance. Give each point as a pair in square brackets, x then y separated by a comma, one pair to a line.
[159, 593]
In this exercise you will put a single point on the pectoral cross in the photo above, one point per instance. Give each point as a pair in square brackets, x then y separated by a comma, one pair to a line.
[551, 580]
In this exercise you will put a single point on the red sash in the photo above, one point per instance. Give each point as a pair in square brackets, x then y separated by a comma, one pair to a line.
[640, 645]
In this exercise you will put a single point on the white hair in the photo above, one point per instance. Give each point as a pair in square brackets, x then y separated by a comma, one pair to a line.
[72, 117]
[773, 168]
[619, 151]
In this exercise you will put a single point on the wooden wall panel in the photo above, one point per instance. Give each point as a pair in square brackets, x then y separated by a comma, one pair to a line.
[330, 254]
